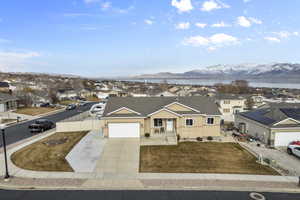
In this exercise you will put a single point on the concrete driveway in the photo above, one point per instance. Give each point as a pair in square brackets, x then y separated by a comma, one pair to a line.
[119, 159]
[286, 161]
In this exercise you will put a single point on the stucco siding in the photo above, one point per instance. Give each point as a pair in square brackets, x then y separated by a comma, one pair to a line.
[123, 111]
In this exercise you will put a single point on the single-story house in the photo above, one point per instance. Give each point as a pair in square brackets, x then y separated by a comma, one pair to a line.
[189, 117]
[7, 102]
[275, 126]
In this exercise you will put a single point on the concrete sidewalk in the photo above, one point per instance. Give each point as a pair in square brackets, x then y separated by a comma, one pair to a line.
[103, 179]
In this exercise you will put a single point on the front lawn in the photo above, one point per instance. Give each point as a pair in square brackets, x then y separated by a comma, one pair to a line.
[201, 157]
[36, 110]
[49, 153]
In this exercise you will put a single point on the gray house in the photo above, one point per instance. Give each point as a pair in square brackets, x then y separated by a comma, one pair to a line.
[7, 102]
[276, 125]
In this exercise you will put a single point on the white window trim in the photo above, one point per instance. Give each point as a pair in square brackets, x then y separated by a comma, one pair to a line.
[157, 126]
[189, 119]
[208, 123]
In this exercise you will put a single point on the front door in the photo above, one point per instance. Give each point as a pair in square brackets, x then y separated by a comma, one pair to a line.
[170, 125]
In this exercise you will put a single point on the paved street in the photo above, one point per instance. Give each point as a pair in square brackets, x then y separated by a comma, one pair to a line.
[19, 132]
[132, 195]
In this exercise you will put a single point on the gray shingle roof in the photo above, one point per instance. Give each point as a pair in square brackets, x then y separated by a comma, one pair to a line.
[6, 97]
[148, 105]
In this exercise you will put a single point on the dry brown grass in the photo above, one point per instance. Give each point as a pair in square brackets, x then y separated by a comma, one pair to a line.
[42, 157]
[196, 157]
[35, 110]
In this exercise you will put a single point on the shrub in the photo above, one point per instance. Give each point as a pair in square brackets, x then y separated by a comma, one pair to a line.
[147, 135]
[209, 138]
[200, 139]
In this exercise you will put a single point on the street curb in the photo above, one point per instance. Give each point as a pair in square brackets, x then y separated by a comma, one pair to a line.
[202, 188]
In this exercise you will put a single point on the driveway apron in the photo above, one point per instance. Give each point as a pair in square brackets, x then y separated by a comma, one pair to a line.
[119, 159]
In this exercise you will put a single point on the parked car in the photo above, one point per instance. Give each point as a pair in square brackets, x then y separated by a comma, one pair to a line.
[45, 105]
[71, 107]
[41, 125]
[294, 149]
[97, 108]
[82, 103]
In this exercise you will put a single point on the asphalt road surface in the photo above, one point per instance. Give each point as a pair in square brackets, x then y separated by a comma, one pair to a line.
[20, 131]
[137, 195]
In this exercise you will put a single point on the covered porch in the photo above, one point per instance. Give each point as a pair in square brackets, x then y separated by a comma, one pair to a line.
[162, 132]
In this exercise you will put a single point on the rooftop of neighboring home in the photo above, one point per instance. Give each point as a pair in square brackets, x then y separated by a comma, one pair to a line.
[273, 113]
[4, 85]
[143, 106]
[6, 97]
[225, 96]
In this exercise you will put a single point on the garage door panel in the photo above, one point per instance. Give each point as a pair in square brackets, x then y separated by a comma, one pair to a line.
[284, 138]
[124, 130]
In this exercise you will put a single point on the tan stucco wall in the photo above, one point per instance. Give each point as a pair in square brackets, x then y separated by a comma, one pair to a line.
[177, 107]
[199, 129]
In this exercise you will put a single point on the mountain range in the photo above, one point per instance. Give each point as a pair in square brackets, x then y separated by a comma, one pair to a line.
[280, 72]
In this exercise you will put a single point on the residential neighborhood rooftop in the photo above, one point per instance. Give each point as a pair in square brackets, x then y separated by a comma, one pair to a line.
[144, 106]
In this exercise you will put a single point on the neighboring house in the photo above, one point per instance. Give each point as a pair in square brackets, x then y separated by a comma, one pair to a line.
[189, 117]
[165, 94]
[66, 94]
[4, 87]
[7, 102]
[274, 125]
[230, 105]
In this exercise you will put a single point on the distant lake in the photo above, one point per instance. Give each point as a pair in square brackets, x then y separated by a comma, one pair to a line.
[210, 82]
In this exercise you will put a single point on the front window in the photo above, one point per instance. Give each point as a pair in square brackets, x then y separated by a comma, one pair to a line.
[157, 122]
[189, 122]
[210, 120]
[226, 101]
[226, 110]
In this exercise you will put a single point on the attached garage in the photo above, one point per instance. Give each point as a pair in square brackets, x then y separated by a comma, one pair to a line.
[124, 130]
[284, 138]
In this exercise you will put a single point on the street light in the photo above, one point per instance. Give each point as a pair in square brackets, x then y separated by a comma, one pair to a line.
[2, 127]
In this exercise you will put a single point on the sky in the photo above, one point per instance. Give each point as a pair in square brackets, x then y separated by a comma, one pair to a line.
[99, 38]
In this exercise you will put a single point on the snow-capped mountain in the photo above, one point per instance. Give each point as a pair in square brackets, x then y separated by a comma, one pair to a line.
[245, 71]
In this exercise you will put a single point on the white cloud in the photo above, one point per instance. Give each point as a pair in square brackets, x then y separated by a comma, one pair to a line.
[243, 21]
[182, 5]
[255, 20]
[272, 39]
[212, 43]
[13, 61]
[220, 25]
[247, 22]
[200, 25]
[182, 25]
[210, 5]
[286, 34]
[148, 21]
[106, 5]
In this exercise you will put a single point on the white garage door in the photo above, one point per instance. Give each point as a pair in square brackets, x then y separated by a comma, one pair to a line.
[124, 130]
[284, 138]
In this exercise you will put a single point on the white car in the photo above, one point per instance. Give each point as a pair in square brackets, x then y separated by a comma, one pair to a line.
[97, 108]
[294, 150]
